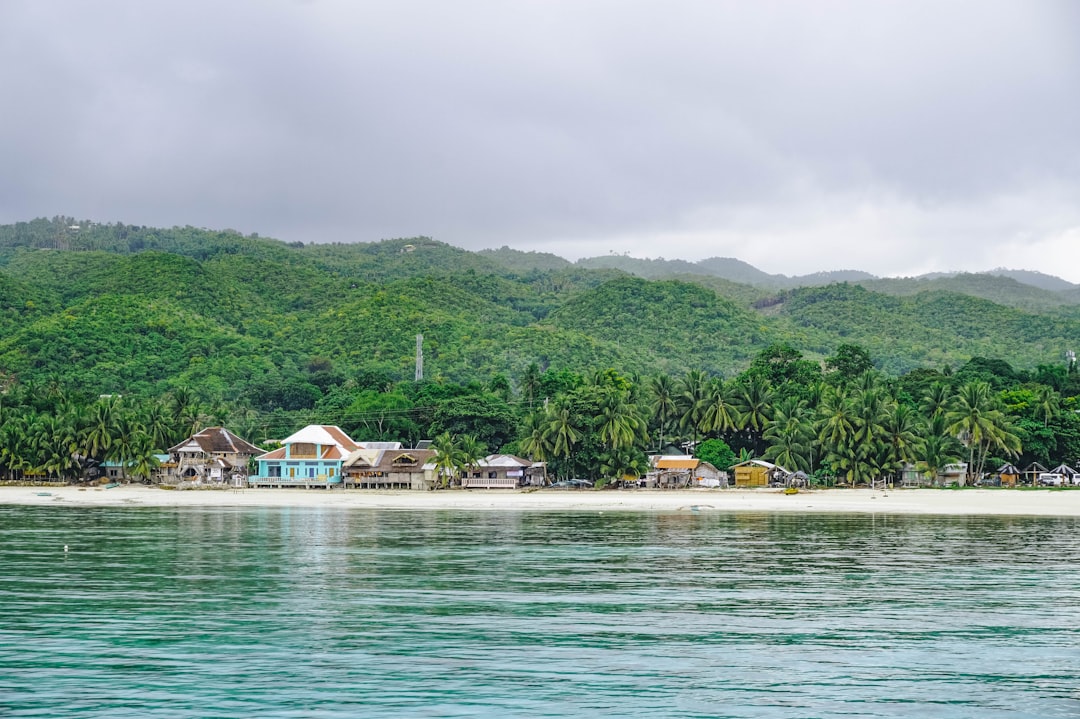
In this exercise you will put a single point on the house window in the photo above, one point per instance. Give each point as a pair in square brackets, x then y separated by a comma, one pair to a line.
[273, 470]
[492, 475]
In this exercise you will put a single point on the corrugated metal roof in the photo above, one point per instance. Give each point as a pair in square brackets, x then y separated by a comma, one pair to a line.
[677, 463]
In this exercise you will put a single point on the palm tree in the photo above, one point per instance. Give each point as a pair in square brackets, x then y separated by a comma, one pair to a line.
[690, 400]
[836, 429]
[159, 426]
[102, 428]
[560, 431]
[534, 440]
[789, 435]
[754, 399]
[721, 414]
[901, 435]
[472, 452]
[981, 425]
[663, 405]
[448, 458]
[937, 400]
[627, 461]
[130, 441]
[938, 446]
[530, 383]
[1047, 403]
[869, 408]
[618, 423]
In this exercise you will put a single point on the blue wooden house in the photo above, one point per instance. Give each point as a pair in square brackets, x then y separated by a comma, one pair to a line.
[310, 458]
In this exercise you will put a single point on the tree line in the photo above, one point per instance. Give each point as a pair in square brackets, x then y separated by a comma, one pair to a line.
[840, 419]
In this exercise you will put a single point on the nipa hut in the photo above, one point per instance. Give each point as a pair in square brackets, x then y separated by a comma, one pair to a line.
[1009, 475]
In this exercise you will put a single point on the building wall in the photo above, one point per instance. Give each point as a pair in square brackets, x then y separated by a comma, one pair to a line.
[751, 476]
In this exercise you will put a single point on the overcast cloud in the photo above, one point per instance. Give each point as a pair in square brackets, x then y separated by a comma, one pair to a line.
[894, 137]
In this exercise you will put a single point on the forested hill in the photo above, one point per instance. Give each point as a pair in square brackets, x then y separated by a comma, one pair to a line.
[121, 309]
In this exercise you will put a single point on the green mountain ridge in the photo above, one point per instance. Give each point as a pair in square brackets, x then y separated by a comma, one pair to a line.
[122, 309]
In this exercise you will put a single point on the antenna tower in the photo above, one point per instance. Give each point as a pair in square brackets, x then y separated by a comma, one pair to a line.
[419, 357]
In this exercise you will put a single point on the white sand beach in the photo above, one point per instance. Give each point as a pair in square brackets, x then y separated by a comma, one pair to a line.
[905, 501]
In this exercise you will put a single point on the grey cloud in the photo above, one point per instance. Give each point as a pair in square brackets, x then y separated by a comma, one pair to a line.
[754, 129]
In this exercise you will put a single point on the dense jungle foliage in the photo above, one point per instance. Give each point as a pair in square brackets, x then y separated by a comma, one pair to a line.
[117, 341]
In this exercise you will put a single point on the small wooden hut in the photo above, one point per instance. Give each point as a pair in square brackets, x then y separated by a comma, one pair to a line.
[1009, 475]
[758, 473]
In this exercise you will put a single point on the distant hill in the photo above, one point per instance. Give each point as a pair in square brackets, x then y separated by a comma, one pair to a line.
[115, 308]
[521, 262]
[1035, 279]
[996, 288]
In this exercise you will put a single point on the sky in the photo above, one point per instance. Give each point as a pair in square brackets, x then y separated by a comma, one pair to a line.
[892, 137]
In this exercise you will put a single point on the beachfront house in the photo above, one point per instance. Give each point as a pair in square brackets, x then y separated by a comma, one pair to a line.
[375, 466]
[953, 473]
[758, 473]
[213, 455]
[671, 470]
[497, 471]
[310, 458]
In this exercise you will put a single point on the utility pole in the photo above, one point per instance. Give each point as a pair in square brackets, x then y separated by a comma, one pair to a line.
[419, 357]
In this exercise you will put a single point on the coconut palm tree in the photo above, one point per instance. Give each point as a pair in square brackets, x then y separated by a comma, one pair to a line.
[561, 432]
[690, 400]
[534, 438]
[1047, 403]
[721, 412]
[937, 400]
[618, 424]
[980, 424]
[472, 452]
[789, 435]
[448, 458]
[836, 429]
[530, 383]
[938, 446]
[900, 433]
[754, 401]
[662, 395]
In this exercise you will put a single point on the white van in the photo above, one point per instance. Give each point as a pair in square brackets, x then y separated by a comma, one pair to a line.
[1049, 479]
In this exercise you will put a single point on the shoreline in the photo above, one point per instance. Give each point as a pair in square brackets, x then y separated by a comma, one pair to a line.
[980, 502]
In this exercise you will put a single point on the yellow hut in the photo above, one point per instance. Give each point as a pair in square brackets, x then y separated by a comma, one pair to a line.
[757, 473]
[1009, 475]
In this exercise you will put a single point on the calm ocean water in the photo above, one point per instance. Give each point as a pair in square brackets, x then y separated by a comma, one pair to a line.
[327, 613]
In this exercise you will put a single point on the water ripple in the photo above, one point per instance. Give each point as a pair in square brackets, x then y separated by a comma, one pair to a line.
[326, 613]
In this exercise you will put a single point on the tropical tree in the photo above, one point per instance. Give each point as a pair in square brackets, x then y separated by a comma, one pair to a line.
[938, 448]
[754, 401]
[690, 400]
[449, 460]
[472, 452]
[836, 427]
[534, 440]
[662, 394]
[561, 432]
[980, 425]
[721, 412]
[618, 425]
[789, 435]
[900, 434]
[530, 383]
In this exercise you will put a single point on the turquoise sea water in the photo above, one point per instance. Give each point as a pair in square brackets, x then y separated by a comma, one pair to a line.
[329, 613]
